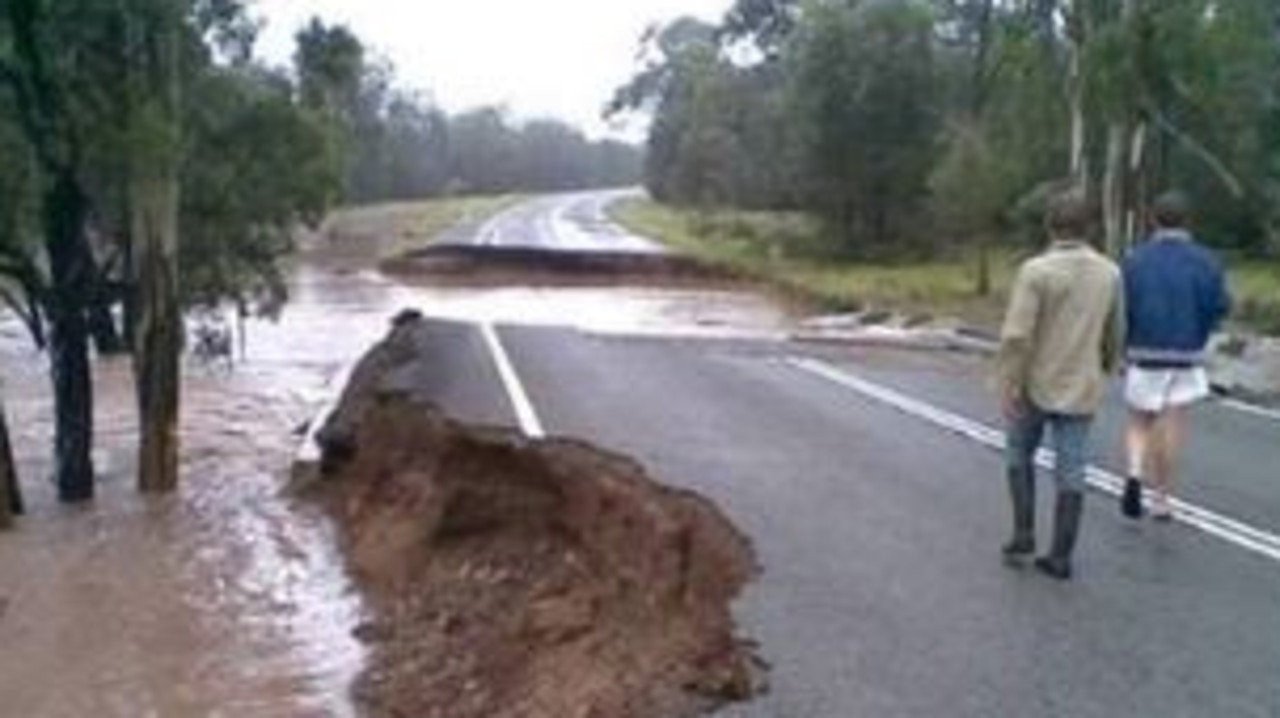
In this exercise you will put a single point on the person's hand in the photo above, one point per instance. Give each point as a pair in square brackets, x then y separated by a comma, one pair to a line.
[1012, 405]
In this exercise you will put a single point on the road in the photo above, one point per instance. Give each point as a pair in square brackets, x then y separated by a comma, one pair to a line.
[867, 483]
[569, 223]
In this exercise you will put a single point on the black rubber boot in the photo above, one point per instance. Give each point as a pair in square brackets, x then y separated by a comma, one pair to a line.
[1022, 497]
[1066, 526]
[1131, 500]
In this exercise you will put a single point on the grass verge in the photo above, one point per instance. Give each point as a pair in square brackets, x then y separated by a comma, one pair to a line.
[779, 249]
[1256, 287]
[395, 228]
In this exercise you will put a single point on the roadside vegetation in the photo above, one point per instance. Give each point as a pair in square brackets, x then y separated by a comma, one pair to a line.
[879, 151]
[791, 252]
[1256, 286]
[389, 229]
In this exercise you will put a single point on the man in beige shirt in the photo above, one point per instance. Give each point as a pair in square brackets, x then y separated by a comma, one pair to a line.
[1061, 340]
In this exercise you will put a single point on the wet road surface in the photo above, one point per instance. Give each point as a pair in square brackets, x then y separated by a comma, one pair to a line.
[879, 531]
[564, 223]
[882, 592]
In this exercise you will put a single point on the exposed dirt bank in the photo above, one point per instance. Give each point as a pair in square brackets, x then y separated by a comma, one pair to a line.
[517, 578]
[488, 265]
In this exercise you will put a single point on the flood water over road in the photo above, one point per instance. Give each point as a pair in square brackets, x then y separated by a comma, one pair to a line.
[229, 598]
[226, 599]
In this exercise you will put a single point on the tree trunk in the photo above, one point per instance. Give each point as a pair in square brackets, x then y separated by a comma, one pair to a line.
[1113, 194]
[10, 493]
[242, 329]
[977, 108]
[1122, 181]
[35, 323]
[1079, 163]
[158, 334]
[153, 200]
[129, 283]
[983, 287]
[1139, 189]
[69, 263]
[1124, 185]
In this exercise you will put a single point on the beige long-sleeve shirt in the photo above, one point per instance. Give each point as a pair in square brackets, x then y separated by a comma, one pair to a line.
[1064, 329]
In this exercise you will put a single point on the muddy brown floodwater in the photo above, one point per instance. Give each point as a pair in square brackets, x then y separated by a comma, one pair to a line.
[226, 599]
[229, 598]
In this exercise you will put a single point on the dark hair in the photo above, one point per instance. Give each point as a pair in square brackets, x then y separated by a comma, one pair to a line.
[1070, 214]
[1171, 210]
[405, 317]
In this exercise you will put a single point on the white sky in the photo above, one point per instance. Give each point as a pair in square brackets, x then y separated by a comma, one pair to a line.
[556, 58]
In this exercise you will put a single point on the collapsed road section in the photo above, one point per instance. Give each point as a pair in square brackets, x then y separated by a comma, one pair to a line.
[509, 577]
[474, 265]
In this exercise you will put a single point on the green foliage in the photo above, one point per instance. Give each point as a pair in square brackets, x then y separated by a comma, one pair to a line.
[720, 130]
[18, 201]
[849, 109]
[252, 163]
[1025, 123]
[781, 249]
[971, 185]
[239, 210]
[22, 280]
[764, 23]
[760, 244]
[864, 88]
[330, 63]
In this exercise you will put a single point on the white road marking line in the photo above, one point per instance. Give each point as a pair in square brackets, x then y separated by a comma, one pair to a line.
[1258, 411]
[490, 233]
[1255, 410]
[1236, 532]
[525, 414]
[566, 232]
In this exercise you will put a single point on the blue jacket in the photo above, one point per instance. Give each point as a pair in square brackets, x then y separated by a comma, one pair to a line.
[1175, 296]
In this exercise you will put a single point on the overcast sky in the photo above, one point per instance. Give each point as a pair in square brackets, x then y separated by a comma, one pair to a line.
[558, 58]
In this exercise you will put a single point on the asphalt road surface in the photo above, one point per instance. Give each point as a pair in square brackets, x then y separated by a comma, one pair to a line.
[569, 222]
[867, 481]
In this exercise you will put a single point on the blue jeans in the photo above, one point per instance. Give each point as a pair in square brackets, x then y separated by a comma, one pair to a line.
[1070, 439]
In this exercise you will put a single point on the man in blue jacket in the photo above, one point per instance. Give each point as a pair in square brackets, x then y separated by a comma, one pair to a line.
[1175, 296]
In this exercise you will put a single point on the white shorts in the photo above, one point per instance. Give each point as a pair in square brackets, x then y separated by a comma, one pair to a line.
[1154, 390]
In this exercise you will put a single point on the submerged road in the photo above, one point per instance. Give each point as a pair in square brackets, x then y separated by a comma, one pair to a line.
[867, 481]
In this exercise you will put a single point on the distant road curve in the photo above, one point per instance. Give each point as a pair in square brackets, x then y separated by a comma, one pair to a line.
[575, 222]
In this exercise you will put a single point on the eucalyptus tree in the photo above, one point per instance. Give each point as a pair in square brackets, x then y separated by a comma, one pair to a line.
[49, 84]
[720, 131]
[865, 99]
[765, 24]
[150, 104]
[100, 141]
[239, 210]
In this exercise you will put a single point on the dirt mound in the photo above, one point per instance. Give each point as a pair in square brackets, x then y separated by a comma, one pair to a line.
[516, 578]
